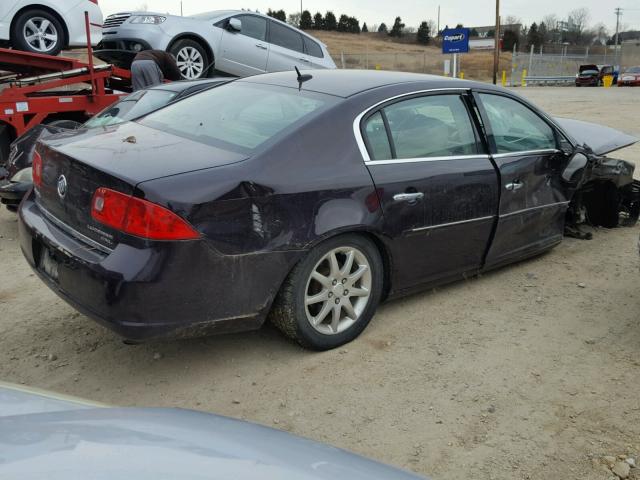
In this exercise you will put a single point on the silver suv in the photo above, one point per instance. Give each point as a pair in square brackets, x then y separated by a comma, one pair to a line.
[232, 42]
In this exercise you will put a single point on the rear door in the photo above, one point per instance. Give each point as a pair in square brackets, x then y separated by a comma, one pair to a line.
[438, 187]
[245, 52]
[286, 49]
[314, 53]
[533, 198]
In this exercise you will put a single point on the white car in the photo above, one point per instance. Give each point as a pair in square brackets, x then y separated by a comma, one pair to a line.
[231, 42]
[48, 26]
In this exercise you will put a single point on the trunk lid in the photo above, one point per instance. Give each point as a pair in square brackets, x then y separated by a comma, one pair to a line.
[118, 157]
[599, 138]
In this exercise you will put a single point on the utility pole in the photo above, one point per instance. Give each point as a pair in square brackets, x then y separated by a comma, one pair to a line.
[496, 52]
[181, 8]
[618, 12]
[438, 32]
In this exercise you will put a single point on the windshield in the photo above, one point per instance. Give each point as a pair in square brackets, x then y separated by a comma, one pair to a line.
[589, 72]
[211, 15]
[132, 106]
[238, 116]
[632, 70]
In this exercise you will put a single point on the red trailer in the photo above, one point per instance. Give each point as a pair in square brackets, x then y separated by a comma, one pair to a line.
[36, 88]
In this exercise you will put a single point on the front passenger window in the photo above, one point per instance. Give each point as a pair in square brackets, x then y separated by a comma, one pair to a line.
[515, 127]
[254, 27]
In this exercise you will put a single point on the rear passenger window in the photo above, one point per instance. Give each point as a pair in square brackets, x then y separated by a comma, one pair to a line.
[312, 48]
[285, 37]
[515, 127]
[431, 126]
[254, 27]
[376, 138]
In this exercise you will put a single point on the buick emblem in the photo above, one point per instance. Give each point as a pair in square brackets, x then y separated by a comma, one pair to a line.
[62, 186]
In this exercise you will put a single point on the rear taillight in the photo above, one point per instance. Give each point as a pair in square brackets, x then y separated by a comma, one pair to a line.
[94, 1]
[37, 169]
[139, 217]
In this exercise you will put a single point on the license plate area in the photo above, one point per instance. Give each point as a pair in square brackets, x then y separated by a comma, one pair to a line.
[48, 263]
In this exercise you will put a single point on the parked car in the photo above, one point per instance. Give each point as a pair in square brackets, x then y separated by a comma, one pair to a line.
[630, 77]
[43, 435]
[592, 75]
[307, 199]
[16, 177]
[48, 26]
[233, 42]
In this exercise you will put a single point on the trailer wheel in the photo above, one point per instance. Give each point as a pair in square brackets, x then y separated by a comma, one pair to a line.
[38, 31]
[5, 143]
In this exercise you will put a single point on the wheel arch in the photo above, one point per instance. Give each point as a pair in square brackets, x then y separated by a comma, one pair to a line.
[196, 38]
[39, 6]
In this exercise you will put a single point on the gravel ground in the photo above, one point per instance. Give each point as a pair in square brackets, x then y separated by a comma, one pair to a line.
[529, 372]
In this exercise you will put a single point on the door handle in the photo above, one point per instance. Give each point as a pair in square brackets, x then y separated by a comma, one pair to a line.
[303, 60]
[259, 45]
[515, 185]
[408, 197]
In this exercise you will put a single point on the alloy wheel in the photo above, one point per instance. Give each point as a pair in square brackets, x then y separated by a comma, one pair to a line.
[338, 290]
[190, 62]
[40, 34]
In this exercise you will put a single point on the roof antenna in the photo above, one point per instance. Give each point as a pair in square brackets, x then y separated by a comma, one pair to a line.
[302, 78]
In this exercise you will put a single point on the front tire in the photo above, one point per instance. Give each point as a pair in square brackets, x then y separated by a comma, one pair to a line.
[38, 31]
[191, 57]
[331, 295]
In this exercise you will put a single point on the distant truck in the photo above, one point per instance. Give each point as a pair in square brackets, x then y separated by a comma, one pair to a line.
[593, 75]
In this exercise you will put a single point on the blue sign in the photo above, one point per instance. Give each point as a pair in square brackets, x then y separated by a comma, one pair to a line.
[455, 40]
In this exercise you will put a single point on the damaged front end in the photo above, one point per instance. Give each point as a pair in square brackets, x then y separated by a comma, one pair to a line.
[607, 196]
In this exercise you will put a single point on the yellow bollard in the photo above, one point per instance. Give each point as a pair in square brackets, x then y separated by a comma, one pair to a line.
[462, 75]
[607, 81]
[504, 78]
[378, 67]
[524, 76]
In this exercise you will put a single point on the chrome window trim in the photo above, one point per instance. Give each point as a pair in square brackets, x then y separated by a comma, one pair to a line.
[539, 207]
[526, 153]
[450, 224]
[479, 156]
[356, 123]
[79, 236]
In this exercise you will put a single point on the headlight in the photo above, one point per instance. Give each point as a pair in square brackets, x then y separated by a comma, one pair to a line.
[148, 19]
[23, 176]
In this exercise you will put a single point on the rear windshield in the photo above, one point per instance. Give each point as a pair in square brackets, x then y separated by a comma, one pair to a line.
[132, 106]
[633, 70]
[239, 116]
[589, 72]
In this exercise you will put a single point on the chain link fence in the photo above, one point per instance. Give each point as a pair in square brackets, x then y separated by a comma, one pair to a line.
[556, 63]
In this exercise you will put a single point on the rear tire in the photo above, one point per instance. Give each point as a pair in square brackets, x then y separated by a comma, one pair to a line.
[191, 57]
[38, 31]
[329, 298]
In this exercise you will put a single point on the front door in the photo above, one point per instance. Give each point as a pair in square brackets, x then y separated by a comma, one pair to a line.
[533, 198]
[438, 188]
[244, 52]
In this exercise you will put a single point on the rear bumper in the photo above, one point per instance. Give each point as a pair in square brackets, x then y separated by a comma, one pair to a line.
[171, 289]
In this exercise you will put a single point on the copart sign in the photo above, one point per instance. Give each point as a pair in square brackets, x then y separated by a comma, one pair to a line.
[455, 40]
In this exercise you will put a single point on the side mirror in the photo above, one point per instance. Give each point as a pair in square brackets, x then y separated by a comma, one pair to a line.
[235, 25]
[572, 173]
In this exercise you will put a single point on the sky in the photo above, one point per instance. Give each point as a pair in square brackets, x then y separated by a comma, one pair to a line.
[468, 12]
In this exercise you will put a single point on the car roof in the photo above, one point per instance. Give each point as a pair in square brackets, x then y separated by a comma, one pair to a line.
[345, 83]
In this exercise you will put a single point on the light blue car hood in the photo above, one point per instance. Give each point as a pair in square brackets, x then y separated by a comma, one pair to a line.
[68, 441]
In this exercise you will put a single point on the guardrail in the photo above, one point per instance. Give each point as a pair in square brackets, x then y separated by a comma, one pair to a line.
[549, 79]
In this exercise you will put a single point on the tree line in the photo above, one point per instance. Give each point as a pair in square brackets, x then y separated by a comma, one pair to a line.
[350, 24]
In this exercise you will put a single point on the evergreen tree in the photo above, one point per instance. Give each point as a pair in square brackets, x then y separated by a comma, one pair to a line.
[382, 28]
[364, 28]
[354, 25]
[343, 23]
[423, 35]
[279, 15]
[398, 26]
[318, 21]
[330, 22]
[306, 22]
